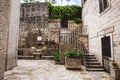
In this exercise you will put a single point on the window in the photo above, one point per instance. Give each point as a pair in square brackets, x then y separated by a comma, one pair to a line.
[103, 4]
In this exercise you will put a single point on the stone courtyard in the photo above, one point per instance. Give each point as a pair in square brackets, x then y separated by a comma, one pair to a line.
[47, 70]
[38, 40]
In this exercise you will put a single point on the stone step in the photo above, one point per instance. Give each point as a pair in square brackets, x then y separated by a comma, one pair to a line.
[91, 60]
[25, 57]
[92, 63]
[94, 69]
[90, 57]
[94, 66]
[47, 57]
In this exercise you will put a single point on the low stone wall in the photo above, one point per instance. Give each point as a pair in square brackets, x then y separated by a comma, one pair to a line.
[49, 51]
[62, 49]
[25, 51]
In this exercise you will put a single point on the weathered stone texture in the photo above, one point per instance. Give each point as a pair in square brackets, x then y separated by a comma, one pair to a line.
[62, 49]
[13, 34]
[54, 29]
[33, 22]
[101, 24]
[2, 66]
[73, 63]
[8, 26]
[84, 40]
[4, 9]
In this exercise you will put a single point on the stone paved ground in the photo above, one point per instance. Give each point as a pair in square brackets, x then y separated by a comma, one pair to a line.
[47, 70]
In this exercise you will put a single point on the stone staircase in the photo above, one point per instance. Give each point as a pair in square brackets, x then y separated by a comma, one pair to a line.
[91, 63]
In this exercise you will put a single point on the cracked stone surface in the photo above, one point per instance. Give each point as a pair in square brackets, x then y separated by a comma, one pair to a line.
[47, 70]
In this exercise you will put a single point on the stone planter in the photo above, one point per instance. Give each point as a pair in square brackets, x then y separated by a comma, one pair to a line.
[115, 73]
[73, 63]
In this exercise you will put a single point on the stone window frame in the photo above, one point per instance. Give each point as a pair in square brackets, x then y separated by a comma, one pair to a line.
[104, 5]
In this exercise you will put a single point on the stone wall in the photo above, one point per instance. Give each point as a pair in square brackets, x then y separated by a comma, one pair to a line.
[84, 40]
[6, 10]
[4, 17]
[103, 24]
[54, 29]
[33, 23]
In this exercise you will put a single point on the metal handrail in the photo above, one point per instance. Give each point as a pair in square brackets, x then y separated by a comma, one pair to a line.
[73, 39]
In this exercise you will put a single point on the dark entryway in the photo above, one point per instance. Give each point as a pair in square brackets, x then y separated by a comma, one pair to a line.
[64, 23]
[106, 52]
[106, 46]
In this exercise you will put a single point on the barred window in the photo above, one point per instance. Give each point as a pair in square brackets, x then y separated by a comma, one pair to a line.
[103, 4]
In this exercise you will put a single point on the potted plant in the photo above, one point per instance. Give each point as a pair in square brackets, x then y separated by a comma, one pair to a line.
[73, 59]
[56, 57]
[115, 72]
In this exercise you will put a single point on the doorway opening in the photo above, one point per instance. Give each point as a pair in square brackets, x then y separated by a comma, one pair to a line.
[106, 52]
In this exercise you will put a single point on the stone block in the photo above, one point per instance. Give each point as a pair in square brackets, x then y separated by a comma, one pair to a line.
[73, 63]
[62, 49]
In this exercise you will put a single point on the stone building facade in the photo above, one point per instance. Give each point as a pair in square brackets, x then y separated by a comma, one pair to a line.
[9, 28]
[33, 23]
[103, 20]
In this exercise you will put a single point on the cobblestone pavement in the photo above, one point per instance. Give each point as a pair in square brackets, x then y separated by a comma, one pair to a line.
[47, 70]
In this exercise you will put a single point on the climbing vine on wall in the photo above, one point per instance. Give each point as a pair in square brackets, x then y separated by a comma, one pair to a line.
[71, 12]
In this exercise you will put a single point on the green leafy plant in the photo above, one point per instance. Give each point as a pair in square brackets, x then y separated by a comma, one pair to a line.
[115, 66]
[60, 12]
[78, 20]
[73, 53]
[56, 56]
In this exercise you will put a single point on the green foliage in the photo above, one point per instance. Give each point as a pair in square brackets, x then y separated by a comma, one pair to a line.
[78, 20]
[56, 56]
[73, 53]
[115, 65]
[60, 12]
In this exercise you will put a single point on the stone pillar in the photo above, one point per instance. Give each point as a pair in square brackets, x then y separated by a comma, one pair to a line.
[13, 34]
[62, 49]
[2, 66]
[9, 18]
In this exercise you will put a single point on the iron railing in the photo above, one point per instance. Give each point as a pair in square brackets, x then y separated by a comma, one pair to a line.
[73, 40]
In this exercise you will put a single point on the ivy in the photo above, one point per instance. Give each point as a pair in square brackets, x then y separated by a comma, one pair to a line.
[71, 12]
